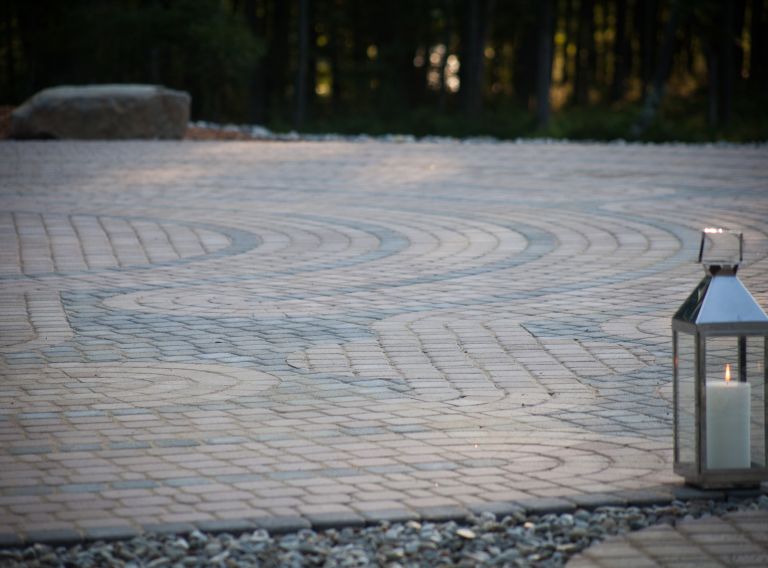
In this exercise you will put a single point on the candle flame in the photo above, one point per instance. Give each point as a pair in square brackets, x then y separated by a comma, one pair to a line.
[728, 373]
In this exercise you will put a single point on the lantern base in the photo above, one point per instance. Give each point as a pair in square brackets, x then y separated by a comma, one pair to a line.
[716, 484]
[729, 479]
[750, 478]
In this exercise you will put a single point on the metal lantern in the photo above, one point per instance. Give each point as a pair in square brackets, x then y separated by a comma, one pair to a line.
[720, 346]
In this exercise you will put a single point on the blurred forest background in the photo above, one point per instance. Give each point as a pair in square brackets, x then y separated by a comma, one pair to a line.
[600, 69]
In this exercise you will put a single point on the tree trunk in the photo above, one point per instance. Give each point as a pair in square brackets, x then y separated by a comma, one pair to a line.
[713, 76]
[446, 40]
[584, 47]
[275, 76]
[656, 91]
[620, 55]
[569, 34]
[726, 77]
[690, 51]
[469, 62]
[256, 87]
[311, 74]
[336, 57]
[758, 49]
[300, 89]
[361, 78]
[648, 42]
[524, 72]
[10, 56]
[544, 61]
[600, 58]
[739, 17]
[478, 14]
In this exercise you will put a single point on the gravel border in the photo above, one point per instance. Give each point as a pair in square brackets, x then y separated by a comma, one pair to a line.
[258, 132]
[546, 532]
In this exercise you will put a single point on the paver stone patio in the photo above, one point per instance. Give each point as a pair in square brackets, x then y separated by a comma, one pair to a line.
[231, 333]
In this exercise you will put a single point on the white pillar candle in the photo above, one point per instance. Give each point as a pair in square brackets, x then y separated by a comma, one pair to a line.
[728, 424]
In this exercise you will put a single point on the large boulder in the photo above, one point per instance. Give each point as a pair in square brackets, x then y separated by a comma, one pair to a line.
[103, 112]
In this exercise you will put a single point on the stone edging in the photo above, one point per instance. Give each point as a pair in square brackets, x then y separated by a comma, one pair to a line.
[288, 524]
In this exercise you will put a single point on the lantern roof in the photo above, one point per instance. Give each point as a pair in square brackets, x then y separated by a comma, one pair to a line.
[721, 300]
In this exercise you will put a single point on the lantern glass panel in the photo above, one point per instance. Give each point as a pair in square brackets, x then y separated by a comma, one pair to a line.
[756, 350]
[721, 247]
[722, 352]
[685, 363]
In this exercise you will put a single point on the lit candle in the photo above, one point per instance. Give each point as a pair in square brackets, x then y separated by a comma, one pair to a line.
[728, 423]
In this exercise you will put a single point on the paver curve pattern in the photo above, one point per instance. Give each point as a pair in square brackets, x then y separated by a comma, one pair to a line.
[206, 332]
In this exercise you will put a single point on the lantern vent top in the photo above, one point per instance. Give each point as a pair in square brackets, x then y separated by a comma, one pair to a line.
[721, 303]
[721, 250]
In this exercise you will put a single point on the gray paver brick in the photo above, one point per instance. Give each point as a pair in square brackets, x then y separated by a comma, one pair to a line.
[278, 524]
[111, 533]
[234, 526]
[442, 513]
[169, 528]
[323, 521]
[54, 536]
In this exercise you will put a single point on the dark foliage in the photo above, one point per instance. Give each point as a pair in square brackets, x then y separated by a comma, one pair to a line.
[652, 69]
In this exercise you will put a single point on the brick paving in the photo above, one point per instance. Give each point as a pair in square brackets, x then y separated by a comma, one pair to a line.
[738, 540]
[290, 333]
